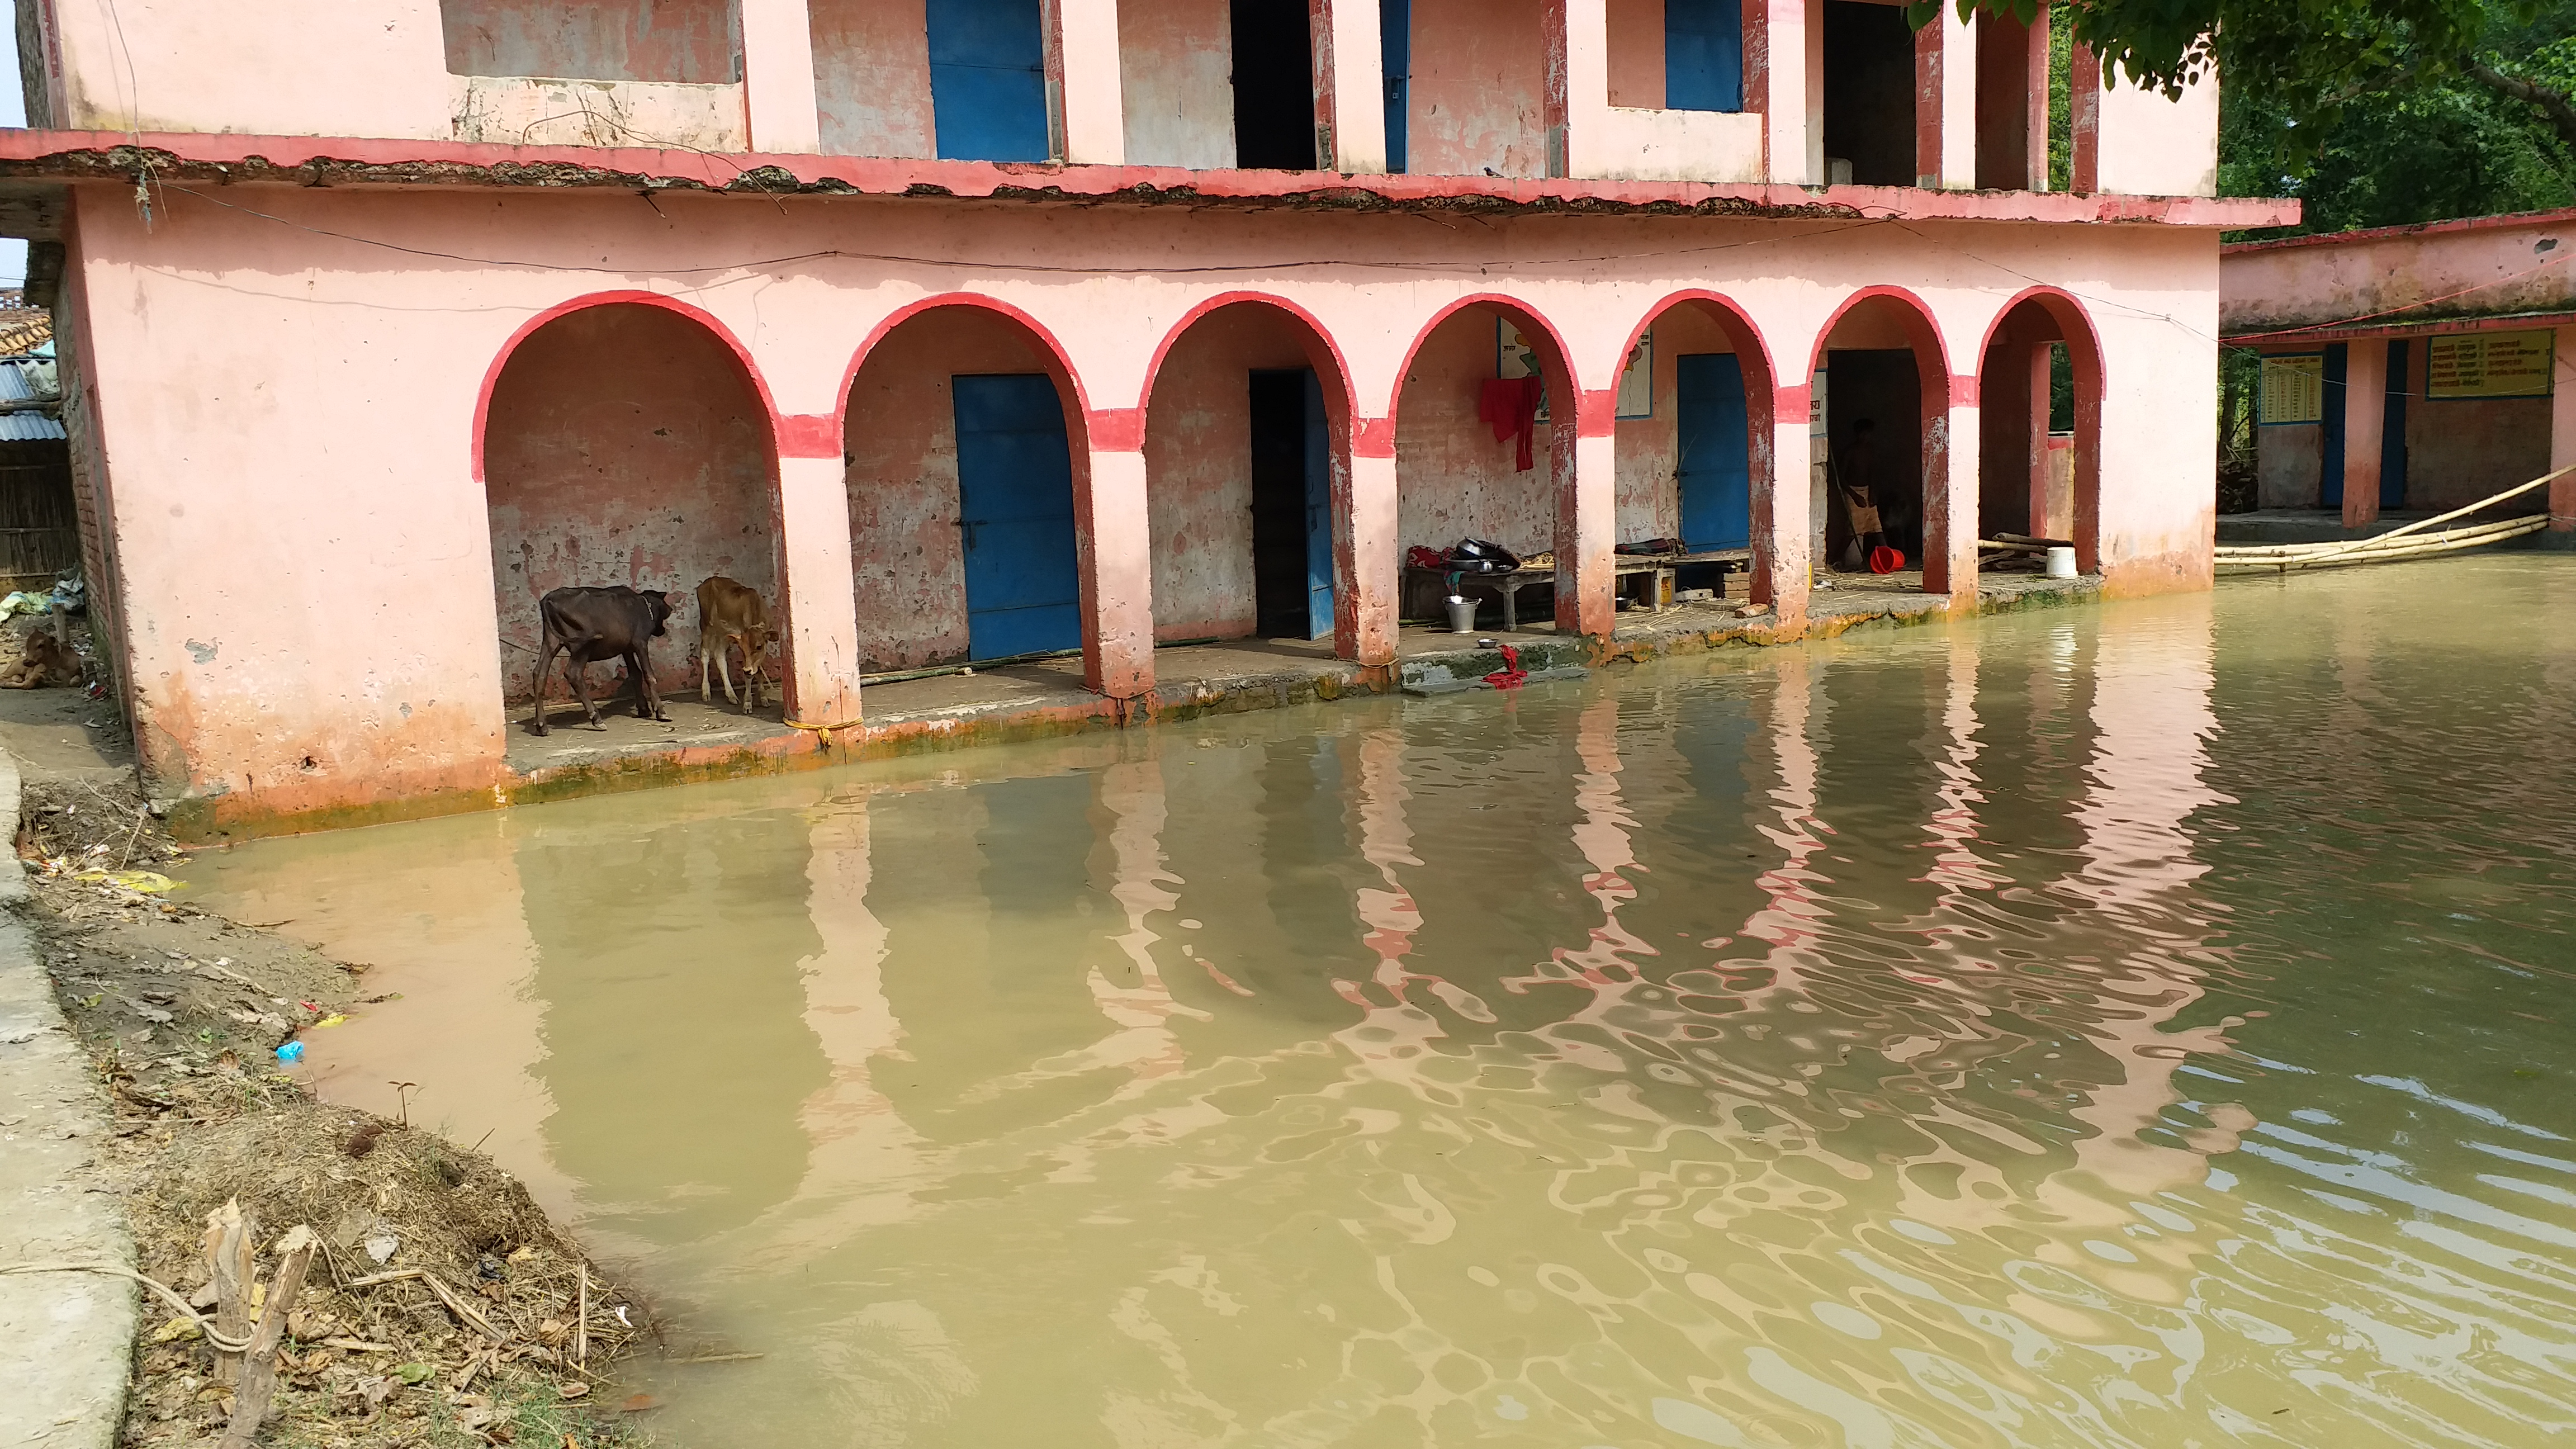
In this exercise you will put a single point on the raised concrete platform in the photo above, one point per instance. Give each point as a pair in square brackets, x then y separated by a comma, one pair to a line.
[66, 1338]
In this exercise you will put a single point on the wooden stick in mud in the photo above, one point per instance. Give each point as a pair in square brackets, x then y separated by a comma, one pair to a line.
[259, 1369]
[228, 1264]
[581, 1320]
[464, 1311]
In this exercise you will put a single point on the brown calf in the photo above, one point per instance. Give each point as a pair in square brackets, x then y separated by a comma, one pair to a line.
[729, 612]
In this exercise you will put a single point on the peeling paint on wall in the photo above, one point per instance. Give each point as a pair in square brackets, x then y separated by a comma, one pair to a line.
[1198, 471]
[1453, 480]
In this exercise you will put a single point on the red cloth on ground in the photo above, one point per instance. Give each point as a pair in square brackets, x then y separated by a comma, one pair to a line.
[1511, 675]
[1510, 406]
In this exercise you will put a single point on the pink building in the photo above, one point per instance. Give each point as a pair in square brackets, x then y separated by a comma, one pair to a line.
[973, 327]
[2413, 367]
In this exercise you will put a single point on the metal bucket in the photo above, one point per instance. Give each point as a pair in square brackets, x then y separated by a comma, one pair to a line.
[1462, 615]
[2061, 563]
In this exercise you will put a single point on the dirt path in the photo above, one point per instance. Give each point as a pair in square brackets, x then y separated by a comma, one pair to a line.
[445, 1309]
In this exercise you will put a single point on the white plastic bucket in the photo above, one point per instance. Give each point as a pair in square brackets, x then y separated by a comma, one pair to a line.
[2061, 563]
[1462, 615]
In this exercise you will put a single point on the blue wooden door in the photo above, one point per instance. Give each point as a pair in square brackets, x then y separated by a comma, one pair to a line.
[1704, 55]
[1716, 471]
[2330, 473]
[1319, 512]
[988, 80]
[2392, 432]
[1395, 54]
[1015, 515]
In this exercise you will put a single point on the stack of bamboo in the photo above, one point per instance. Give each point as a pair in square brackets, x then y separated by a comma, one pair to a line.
[2410, 541]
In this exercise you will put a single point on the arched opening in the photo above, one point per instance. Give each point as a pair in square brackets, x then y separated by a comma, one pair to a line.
[1484, 449]
[1882, 385]
[963, 448]
[1247, 444]
[1695, 461]
[2039, 398]
[626, 442]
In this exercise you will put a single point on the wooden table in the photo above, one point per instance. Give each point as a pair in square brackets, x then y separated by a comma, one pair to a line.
[1656, 567]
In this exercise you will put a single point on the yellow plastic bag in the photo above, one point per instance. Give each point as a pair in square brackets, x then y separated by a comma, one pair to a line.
[150, 883]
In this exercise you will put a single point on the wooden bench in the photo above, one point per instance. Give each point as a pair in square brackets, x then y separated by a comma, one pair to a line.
[1655, 568]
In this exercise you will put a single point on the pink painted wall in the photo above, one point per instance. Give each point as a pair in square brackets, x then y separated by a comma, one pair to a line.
[650, 40]
[1479, 88]
[1453, 480]
[2509, 264]
[1636, 53]
[300, 586]
[623, 448]
[872, 77]
[1175, 63]
[908, 558]
[1198, 471]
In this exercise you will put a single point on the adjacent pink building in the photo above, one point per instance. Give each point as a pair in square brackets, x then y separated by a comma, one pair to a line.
[964, 328]
[2412, 367]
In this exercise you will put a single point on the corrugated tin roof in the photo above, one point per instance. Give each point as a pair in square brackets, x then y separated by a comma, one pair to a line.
[29, 428]
[28, 379]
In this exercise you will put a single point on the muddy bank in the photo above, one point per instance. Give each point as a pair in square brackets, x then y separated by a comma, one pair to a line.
[443, 1308]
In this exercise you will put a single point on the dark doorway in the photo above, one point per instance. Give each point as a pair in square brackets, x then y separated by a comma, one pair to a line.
[2330, 479]
[1869, 93]
[2392, 435]
[1292, 536]
[1884, 388]
[1274, 86]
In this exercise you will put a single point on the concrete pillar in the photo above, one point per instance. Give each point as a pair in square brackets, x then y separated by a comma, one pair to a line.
[2050, 516]
[1945, 103]
[1783, 512]
[2562, 430]
[1350, 85]
[1578, 81]
[1585, 459]
[1082, 75]
[2084, 126]
[1367, 570]
[778, 77]
[2365, 415]
[1784, 69]
[1950, 496]
[1114, 548]
[819, 617]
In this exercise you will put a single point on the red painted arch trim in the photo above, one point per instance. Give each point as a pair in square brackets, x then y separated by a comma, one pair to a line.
[1080, 411]
[1549, 343]
[705, 319]
[1736, 322]
[1923, 333]
[2062, 306]
[1332, 347]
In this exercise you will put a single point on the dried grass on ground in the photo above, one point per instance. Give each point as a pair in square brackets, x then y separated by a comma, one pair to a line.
[181, 1012]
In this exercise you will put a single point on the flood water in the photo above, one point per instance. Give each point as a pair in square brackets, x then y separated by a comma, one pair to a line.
[2143, 1025]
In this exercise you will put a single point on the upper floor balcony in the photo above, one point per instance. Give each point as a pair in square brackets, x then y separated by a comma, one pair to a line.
[1482, 93]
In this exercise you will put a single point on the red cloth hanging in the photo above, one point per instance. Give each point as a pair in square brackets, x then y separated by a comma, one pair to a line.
[1510, 406]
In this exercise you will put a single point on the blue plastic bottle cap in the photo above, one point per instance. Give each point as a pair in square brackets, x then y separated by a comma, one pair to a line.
[291, 1053]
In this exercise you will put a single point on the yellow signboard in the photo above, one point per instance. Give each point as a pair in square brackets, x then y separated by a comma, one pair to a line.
[2488, 364]
[2294, 389]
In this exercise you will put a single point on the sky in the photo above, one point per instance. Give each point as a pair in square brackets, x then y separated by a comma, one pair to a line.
[13, 112]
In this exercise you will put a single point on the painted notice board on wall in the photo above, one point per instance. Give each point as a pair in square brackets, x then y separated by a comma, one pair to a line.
[2294, 388]
[2488, 364]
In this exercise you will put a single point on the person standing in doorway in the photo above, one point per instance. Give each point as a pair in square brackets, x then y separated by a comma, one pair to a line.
[1854, 470]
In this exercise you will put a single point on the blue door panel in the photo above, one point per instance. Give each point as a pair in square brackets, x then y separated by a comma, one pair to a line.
[1319, 512]
[1015, 515]
[988, 80]
[1395, 51]
[1704, 55]
[1716, 476]
[2392, 437]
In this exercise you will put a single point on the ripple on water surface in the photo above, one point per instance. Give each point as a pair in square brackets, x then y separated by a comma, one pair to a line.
[2140, 1026]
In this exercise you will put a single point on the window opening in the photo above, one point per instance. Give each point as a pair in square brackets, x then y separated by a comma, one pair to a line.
[1395, 53]
[1869, 94]
[1274, 86]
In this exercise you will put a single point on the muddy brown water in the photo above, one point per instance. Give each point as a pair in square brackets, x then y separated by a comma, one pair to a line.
[2145, 1025]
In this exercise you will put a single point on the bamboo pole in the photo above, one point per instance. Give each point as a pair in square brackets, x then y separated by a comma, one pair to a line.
[2371, 548]
[2425, 548]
